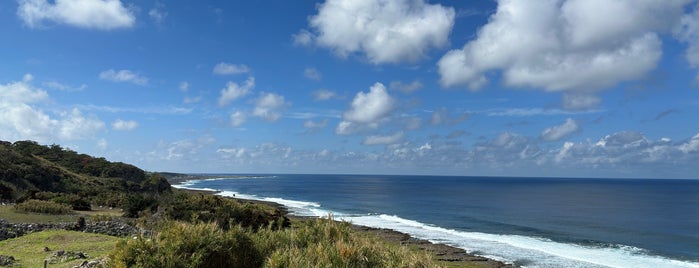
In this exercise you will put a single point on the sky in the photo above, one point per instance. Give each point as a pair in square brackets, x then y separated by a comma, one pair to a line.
[550, 88]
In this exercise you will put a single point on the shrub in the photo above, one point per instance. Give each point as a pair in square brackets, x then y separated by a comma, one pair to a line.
[40, 206]
[187, 245]
[135, 203]
[225, 212]
[327, 243]
[101, 217]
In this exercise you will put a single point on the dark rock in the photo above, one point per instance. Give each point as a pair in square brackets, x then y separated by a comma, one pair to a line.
[6, 260]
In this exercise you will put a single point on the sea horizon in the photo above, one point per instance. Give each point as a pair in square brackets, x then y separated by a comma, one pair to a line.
[535, 234]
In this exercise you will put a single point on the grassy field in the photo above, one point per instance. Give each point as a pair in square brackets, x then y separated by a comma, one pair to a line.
[28, 250]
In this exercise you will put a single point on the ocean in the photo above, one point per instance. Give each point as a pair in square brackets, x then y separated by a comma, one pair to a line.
[531, 222]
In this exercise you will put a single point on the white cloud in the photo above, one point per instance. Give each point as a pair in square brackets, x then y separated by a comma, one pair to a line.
[184, 86]
[270, 106]
[123, 125]
[311, 124]
[183, 150]
[321, 95]
[406, 88]
[389, 139]
[559, 132]
[580, 101]
[570, 46]
[232, 152]
[441, 116]
[384, 31]
[224, 68]
[158, 13]
[23, 119]
[303, 38]
[238, 118]
[90, 14]
[346, 128]
[233, 91]
[622, 139]
[312, 73]
[366, 110]
[74, 126]
[62, 87]
[690, 146]
[370, 107]
[102, 144]
[123, 76]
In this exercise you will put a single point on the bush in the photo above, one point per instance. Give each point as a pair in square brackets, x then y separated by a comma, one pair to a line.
[40, 206]
[197, 208]
[317, 243]
[136, 203]
[326, 243]
[187, 245]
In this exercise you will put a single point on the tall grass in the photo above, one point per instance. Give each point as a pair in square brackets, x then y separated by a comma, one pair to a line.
[314, 243]
[327, 243]
[187, 245]
[41, 206]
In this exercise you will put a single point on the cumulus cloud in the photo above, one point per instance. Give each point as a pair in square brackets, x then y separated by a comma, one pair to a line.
[691, 146]
[370, 107]
[224, 68]
[322, 95]
[383, 31]
[270, 106]
[234, 91]
[90, 14]
[312, 73]
[73, 125]
[389, 139]
[565, 46]
[559, 132]
[123, 76]
[366, 109]
[23, 119]
[238, 118]
[406, 88]
[124, 125]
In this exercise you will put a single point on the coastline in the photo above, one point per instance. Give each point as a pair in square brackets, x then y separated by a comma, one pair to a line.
[456, 257]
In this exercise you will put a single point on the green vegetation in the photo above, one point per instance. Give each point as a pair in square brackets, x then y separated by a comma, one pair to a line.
[10, 214]
[184, 229]
[315, 243]
[51, 173]
[40, 206]
[28, 250]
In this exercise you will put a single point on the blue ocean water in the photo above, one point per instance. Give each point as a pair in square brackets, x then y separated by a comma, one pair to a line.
[533, 222]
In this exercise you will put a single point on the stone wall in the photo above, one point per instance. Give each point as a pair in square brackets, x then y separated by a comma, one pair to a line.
[113, 228]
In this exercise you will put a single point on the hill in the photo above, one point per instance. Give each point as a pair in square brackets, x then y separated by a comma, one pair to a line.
[32, 171]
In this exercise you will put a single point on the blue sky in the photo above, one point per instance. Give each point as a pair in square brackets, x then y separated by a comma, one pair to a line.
[500, 88]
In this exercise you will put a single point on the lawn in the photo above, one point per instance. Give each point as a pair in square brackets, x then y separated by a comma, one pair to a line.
[28, 250]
